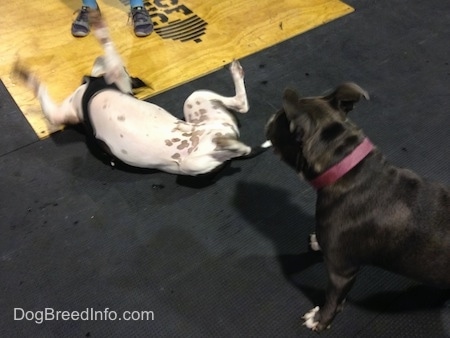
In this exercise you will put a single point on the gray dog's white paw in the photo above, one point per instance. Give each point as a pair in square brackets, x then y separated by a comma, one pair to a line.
[313, 242]
[309, 319]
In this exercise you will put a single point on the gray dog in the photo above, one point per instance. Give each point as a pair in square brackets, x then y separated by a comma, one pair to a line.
[367, 211]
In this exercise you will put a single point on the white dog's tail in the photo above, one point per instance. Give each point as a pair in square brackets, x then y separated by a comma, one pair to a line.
[258, 150]
[239, 149]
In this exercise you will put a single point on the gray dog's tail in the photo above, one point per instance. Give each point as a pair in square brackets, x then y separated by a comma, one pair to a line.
[258, 150]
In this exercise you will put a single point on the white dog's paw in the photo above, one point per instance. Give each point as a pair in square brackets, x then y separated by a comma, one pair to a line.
[236, 69]
[313, 242]
[24, 74]
[309, 319]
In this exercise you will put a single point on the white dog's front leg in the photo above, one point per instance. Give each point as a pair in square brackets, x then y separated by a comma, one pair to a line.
[112, 62]
[66, 113]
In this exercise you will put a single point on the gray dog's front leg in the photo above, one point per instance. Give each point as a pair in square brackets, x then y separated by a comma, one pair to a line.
[339, 284]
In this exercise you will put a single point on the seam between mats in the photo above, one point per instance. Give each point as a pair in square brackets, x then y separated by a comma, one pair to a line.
[19, 148]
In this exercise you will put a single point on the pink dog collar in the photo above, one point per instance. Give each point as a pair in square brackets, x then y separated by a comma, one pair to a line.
[344, 166]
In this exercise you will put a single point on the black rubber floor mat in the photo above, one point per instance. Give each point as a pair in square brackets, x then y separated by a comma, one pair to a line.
[229, 259]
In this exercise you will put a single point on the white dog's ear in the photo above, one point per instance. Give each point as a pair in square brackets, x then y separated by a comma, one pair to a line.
[346, 95]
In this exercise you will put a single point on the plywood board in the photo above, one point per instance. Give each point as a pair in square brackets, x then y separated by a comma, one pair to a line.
[191, 38]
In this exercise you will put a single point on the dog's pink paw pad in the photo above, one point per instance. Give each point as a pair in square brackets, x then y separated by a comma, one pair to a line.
[309, 319]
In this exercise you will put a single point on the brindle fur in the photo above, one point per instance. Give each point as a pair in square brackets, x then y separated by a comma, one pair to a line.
[376, 214]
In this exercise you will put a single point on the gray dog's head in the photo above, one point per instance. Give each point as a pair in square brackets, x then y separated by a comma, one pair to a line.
[310, 134]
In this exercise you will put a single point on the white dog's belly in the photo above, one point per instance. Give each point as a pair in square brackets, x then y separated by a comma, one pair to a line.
[135, 131]
[144, 135]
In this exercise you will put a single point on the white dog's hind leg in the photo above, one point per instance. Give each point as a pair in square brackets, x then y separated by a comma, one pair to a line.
[111, 63]
[237, 103]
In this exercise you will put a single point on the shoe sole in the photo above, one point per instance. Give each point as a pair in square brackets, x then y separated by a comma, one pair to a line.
[80, 34]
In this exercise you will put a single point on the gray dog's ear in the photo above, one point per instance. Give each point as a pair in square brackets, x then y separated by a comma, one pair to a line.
[346, 95]
[290, 103]
[295, 112]
[290, 106]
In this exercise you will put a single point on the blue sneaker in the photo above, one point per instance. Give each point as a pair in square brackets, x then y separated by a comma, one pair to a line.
[143, 25]
[80, 27]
